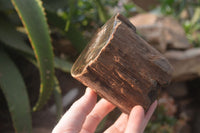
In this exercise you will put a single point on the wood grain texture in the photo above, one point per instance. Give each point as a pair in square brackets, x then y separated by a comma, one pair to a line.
[121, 67]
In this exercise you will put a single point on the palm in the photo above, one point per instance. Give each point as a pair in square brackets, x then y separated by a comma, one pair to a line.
[85, 115]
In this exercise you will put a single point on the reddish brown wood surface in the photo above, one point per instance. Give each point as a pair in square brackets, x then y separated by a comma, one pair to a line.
[121, 67]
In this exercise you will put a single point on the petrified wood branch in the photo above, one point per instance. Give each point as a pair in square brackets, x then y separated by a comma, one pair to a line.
[121, 67]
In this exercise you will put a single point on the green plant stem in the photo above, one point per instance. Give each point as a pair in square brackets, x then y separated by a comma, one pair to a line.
[101, 11]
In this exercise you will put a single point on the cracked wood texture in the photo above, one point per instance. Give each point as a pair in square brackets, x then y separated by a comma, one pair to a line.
[121, 67]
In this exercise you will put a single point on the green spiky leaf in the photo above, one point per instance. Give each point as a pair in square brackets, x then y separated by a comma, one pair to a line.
[14, 89]
[5, 5]
[58, 99]
[13, 39]
[33, 18]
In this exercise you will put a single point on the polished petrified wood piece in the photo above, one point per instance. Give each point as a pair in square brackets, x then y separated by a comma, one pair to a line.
[121, 67]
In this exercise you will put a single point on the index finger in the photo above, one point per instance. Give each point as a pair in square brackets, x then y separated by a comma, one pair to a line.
[74, 118]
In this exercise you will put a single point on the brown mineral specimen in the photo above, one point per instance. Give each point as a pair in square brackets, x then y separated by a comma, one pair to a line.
[121, 67]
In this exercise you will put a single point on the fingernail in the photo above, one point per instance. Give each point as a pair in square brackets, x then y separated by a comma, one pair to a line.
[155, 102]
[88, 90]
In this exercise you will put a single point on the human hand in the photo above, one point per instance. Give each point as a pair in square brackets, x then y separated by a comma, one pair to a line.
[85, 115]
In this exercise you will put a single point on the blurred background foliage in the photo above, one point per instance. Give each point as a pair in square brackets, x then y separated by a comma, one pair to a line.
[188, 13]
[71, 24]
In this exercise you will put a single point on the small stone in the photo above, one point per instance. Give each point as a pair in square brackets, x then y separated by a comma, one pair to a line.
[161, 32]
[177, 89]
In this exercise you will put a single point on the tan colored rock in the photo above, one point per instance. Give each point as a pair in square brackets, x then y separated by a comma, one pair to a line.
[186, 64]
[177, 89]
[161, 32]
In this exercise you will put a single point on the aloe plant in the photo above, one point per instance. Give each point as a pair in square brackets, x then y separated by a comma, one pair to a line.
[37, 30]
[38, 33]
[14, 89]
[32, 15]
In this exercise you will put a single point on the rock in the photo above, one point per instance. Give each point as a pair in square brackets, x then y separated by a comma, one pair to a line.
[186, 64]
[145, 19]
[161, 32]
[146, 4]
[177, 89]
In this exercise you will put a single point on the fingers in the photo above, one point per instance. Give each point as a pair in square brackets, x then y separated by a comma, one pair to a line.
[149, 114]
[77, 118]
[135, 121]
[74, 118]
[119, 126]
[101, 109]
